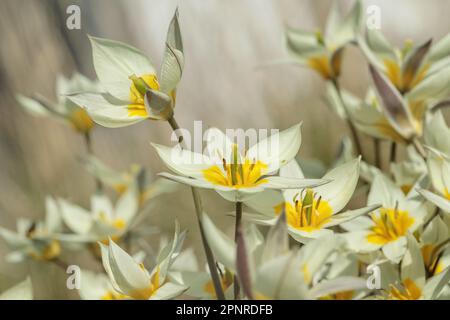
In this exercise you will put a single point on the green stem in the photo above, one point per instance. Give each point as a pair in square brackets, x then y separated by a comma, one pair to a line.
[377, 152]
[199, 211]
[237, 226]
[90, 150]
[355, 137]
[393, 154]
[419, 148]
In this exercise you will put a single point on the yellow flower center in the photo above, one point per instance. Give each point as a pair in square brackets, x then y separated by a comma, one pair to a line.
[137, 91]
[118, 224]
[226, 282]
[404, 81]
[390, 224]
[112, 295]
[81, 121]
[307, 213]
[407, 291]
[120, 188]
[325, 67]
[431, 260]
[446, 194]
[238, 174]
[50, 252]
[146, 293]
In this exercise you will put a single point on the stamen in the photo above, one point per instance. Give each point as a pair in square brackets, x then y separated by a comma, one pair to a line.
[396, 210]
[234, 165]
[307, 205]
[318, 202]
[139, 83]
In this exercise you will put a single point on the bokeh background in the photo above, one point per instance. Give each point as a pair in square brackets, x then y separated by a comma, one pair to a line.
[223, 85]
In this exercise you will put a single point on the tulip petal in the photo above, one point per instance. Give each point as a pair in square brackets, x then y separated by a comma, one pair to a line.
[128, 204]
[279, 279]
[439, 201]
[76, 218]
[395, 250]
[168, 291]
[173, 60]
[127, 273]
[436, 284]
[412, 266]
[218, 146]
[274, 182]
[341, 284]
[436, 133]
[278, 149]
[115, 62]
[277, 240]
[53, 221]
[349, 215]
[223, 247]
[183, 162]
[264, 202]
[306, 236]
[105, 110]
[383, 191]
[342, 31]
[435, 86]
[342, 186]
[394, 107]
[188, 181]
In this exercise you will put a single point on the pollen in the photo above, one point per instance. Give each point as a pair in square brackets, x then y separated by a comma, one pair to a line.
[238, 174]
[307, 213]
[137, 92]
[81, 121]
[408, 290]
[390, 224]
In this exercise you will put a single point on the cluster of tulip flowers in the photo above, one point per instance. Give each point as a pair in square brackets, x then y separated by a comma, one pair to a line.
[295, 237]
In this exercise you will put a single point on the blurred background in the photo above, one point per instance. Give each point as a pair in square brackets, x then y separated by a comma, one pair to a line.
[225, 42]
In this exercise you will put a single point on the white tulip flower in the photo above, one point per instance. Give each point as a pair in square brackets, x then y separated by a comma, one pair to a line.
[388, 227]
[130, 278]
[132, 90]
[233, 175]
[36, 240]
[310, 213]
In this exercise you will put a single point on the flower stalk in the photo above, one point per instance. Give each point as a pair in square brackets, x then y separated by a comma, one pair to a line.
[199, 211]
[237, 226]
[90, 151]
[350, 125]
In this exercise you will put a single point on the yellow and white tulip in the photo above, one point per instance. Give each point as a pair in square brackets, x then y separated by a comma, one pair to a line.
[420, 72]
[278, 272]
[63, 110]
[36, 240]
[104, 221]
[131, 279]
[413, 282]
[388, 227]
[310, 213]
[234, 175]
[121, 181]
[439, 172]
[323, 53]
[132, 91]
